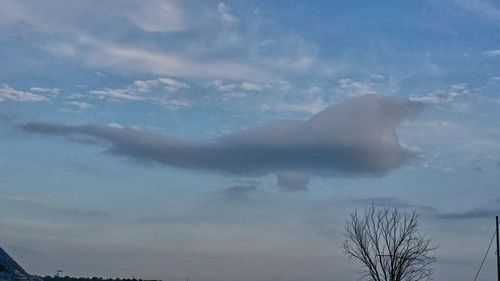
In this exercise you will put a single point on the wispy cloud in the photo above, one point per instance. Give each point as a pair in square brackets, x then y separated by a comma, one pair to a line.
[443, 96]
[225, 13]
[477, 213]
[8, 93]
[367, 85]
[158, 16]
[450, 145]
[53, 207]
[311, 107]
[492, 53]
[239, 192]
[53, 91]
[105, 54]
[178, 38]
[486, 8]
[393, 202]
[158, 91]
[79, 104]
[62, 16]
[356, 88]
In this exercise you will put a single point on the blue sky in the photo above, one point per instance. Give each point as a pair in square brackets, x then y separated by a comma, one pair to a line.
[230, 140]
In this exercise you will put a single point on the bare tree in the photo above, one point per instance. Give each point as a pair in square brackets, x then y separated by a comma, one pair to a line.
[389, 245]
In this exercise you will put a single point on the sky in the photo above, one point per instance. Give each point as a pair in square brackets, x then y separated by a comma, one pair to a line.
[231, 140]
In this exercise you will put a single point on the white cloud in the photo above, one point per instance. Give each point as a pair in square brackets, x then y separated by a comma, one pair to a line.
[57, 16]
[53, 91]
[302, 59]
[492, 53]
[443, 96]
[158, 16]
[133, 59]
[116, 125]
[244, 86]
[116, 94]
[172, 84]
[210, 46]
[173, 104]
[225, 13]
[314, 89]
[448, 143]
[356, 88]
[237, 95]
[80, 104]
[221, 86]
[311, 107]
[8, 93]
[207, 30]
[378, 77]
[248, 86]
[481, 7]
[160, 91]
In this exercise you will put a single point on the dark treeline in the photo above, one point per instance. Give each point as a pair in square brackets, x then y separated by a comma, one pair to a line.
[67, 278]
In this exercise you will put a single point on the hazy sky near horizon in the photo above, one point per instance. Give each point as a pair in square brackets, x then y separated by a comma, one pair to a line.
[231, 140]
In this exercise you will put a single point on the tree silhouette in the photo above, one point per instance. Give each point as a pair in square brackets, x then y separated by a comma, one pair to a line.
[389, 245]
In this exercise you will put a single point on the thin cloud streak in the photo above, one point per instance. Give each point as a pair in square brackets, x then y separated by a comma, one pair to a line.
[393, 202]
[476, 213]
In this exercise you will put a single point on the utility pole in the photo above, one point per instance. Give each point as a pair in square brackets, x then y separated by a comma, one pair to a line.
[498, 253]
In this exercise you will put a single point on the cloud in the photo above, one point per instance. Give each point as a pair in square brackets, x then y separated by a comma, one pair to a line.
[53, 91]
[8, 93]
[232, 90]
[158, 16]
[248, 86]
[486, 8]
[476, 213]
[443, 96]
[356, 88]
[311, 107]
[239, 192]
[225, 13]
[96, 52]
[178, 38]
[394, 203]
[355, 137]
[50, 206]
[80, 104]
[155, 91]
[60, 16]
[492, 53]
[293, 181]
[116, 94]
[451, 145]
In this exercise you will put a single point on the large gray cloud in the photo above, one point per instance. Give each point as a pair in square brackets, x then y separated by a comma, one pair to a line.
[354, 137]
